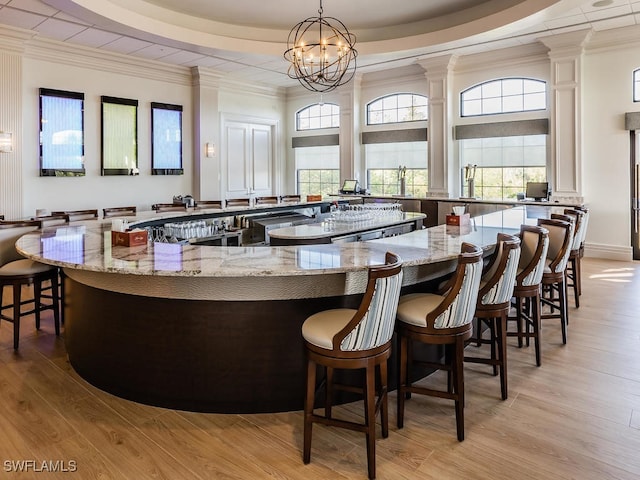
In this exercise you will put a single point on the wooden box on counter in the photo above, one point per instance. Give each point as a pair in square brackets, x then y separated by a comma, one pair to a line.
[134, 238]
[458, 220]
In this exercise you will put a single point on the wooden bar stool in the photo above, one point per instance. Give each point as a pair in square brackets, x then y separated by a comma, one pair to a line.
[169, 207]
[238, 202]
[440, 320]
[16, 271]
[76, 215]
[267, 200]
[494, 301]
[290, 198]
[554, 276]
[51, 220]
[354, 339]
[574, 266]
[119, 212]
[204, 204]
[534, 244]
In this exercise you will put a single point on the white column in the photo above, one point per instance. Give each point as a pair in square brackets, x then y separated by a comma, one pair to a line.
[566, 52]
[207, 178]
[350, 145]
[11, 185]
[438, 72]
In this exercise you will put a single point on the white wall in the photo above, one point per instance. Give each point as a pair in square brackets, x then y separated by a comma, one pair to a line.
[94, 190]
[607, 96]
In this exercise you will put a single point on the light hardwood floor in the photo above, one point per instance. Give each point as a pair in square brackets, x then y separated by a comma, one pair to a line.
[576, 416]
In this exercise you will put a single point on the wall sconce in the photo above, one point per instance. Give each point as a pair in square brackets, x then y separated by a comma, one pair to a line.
[209, 150]
[6, 142]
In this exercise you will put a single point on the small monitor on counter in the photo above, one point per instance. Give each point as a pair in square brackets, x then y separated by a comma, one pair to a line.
[538, 191]
[350, 186]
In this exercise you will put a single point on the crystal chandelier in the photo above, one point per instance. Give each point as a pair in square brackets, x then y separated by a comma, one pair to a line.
[321, 54]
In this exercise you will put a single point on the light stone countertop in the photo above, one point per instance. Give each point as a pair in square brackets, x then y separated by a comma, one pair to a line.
[327, 228]
[87, 246]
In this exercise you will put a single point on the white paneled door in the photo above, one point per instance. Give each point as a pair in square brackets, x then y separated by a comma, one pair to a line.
[249, 159]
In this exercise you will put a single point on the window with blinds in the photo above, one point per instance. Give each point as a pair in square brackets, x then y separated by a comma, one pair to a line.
[119, 136]
[61, 133]
[166, 147]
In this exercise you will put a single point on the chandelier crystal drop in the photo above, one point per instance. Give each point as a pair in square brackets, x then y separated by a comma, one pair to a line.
[321, 53]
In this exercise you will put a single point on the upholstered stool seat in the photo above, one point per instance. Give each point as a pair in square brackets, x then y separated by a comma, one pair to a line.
[444, 319]
[416, 305]
[24, 267]
[353, 339]
[319, 329]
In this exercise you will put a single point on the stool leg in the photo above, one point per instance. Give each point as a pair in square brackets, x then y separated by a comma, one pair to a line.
[308, 410]
[571, 273]
[402, 378]
[370, 413]
[55, 298]
[17, 294]
[37, 300]
[501, 325]
[577, 288]
[458, 368]
[328, 398]
[537, 321]
[384, 407]
[494, 343]
[564, 312]
[519, 320]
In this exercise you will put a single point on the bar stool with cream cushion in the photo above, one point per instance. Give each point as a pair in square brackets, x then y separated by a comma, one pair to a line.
[119, 212]
[208, 204]
[238, 202]
[354, 339]
[16, 271]
[77, 215]
[440, 320]
[534, 243]
[554, 276]
[574, 270]
[53, 219]
[267, 200]
[169, 207]
[494, 301]
[290, 198]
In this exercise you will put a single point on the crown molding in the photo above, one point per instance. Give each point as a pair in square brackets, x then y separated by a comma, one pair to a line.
[614, 39]
[529, 54]
[397, 77]
[112, 62]
[207, 77]
[266, 91]
[12, 39]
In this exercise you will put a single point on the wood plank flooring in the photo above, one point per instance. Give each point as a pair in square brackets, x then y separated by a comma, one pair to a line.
[576, 416]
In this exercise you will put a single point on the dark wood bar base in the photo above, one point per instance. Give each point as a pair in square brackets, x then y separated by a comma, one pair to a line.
[196, 355]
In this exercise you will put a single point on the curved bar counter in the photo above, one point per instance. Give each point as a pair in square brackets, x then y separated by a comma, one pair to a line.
[217, 329]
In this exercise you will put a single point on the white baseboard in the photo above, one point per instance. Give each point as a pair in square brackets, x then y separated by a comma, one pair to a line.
[609, 252]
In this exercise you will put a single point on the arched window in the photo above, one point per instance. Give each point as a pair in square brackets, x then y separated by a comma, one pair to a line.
[636, 85]
[396, 108]
[320, 115]
[505, 95]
